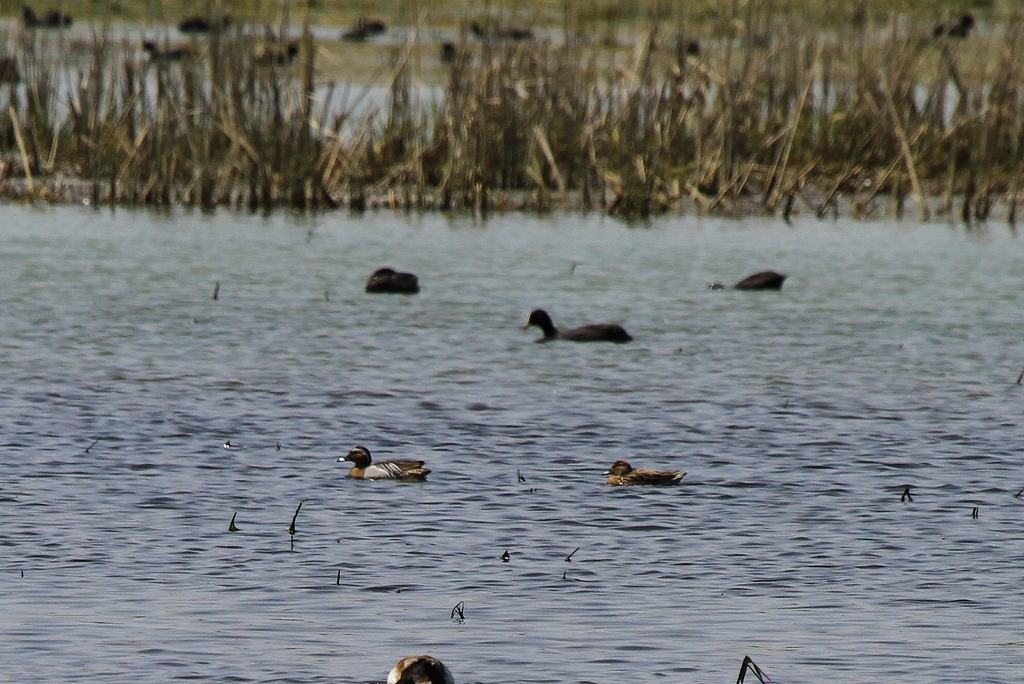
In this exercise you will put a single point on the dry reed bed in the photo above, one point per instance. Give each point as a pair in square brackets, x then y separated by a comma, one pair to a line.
[853, 121]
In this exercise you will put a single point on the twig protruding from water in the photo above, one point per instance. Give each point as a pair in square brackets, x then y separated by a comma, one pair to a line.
[216, 290]
[506, 557]
[568, 559]
[291, 528]
[974, 513]
[94, 443]
[231, 525]
[459, 610]
[752, 666]
[905, 497]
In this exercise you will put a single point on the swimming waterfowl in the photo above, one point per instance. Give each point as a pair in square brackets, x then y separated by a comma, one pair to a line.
[171, 53]
[765, 280]
[200, 24]
[421, 669]
[621, 473]
[365, 469]
[597, 332]
[448, 52]
[52, 19]
[365, 28]
[390, 280]
[9, 69]
[959, 30]
[280, 55]
[494, 32]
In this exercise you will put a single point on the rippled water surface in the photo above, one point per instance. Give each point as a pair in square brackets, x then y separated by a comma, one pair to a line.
[889, 359]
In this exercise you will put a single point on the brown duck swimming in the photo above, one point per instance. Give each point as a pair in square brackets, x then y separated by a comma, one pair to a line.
[390, 280]
[597, 332]
[365, 469]
[621, 473]
[421, 669]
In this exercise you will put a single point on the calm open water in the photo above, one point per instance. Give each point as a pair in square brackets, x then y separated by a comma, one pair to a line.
[890, 358]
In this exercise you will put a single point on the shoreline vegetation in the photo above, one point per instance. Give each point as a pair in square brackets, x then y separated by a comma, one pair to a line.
[757, 111]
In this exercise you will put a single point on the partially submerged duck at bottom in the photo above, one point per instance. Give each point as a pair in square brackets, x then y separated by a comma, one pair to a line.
[622, 473]
[424, 669]
[764, 280]
[596, 332]
[365, 469]
[420, 669]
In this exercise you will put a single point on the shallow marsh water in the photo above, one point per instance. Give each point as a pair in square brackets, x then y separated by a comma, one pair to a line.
[889, 359]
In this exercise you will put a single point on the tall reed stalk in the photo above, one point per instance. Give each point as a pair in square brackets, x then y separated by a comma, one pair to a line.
[769, 115]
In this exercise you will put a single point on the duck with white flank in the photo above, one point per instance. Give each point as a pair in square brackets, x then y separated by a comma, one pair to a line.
[421, 669]
[622, 473]
[366, 469]
[597, 332]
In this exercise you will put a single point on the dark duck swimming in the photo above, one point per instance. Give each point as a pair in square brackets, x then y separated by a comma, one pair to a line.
[764, 280]
[389, 280]
[596, 332]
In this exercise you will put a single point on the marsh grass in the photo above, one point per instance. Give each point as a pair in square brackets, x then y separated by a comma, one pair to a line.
[771, 115]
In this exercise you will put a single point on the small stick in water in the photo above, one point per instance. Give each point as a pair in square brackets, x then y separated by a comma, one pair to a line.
[231, 525]
[1020, 377]
[506, 557]
[905, 497]
[974, 513]
[752, 666]
[459, 610]
[94, 443]
[337, 581]
[568, 559]
[1017, 495]
[519, 475]
[216, 289]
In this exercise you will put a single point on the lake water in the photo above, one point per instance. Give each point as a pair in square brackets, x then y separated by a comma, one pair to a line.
[889, 359]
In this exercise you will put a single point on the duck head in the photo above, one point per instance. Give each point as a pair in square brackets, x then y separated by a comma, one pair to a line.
[620, 468]
[541, 319]
[359, 455]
